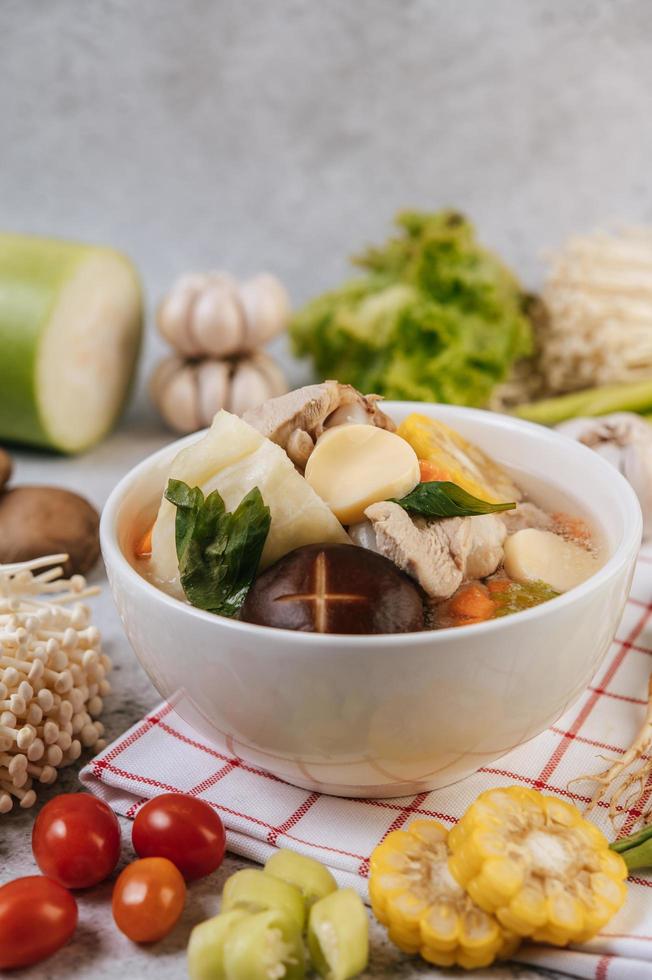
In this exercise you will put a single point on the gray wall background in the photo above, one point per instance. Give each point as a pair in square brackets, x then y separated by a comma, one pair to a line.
[283, 134]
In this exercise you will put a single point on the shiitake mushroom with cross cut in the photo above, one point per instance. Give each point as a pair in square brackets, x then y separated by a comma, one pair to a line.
[335, 588]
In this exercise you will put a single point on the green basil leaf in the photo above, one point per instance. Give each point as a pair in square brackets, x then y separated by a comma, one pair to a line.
[218, 552]
[440, 498]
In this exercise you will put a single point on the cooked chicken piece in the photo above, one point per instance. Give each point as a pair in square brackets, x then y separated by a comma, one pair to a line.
[296, 420]
[438, 554]
[526, 515]
[422, 549]
[487, 536]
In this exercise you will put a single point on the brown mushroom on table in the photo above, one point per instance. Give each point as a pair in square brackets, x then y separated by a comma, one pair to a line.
[296, 420]
[36, 521]
[335, 588]
[6, 467]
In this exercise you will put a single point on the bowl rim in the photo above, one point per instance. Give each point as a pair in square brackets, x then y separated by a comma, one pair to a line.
[631, 540]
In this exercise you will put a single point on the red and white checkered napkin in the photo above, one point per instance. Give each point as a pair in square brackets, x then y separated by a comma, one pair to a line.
[162, 753]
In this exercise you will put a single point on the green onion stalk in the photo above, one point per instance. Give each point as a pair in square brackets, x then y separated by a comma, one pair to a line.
[635, 850]
[630, 397]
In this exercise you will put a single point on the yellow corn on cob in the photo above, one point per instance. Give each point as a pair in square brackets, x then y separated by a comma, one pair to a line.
[413, 893]
[454, 458]
[536, 864]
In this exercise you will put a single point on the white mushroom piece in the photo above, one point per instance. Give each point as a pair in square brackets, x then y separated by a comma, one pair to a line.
[213, 315]
[439, 554]
[189, 393]
[624, 440]
[53, 676]
[296, 420]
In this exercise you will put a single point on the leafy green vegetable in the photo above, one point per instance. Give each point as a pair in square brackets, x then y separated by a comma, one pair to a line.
[517, 597]
[436, 317]
[218, 552]
[440, 498]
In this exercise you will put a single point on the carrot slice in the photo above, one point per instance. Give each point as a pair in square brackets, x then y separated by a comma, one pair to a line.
[472, 603]
[143, 547]
[429, 472]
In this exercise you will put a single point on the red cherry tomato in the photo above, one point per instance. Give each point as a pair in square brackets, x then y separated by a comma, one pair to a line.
[37, 917]
[148, 899]
[183, 829]
[76, 840]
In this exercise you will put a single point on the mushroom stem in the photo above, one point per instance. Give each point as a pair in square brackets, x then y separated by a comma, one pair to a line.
[52, 676]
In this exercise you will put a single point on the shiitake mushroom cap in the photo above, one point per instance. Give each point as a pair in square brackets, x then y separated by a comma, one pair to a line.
[38, 521]
[335, 588]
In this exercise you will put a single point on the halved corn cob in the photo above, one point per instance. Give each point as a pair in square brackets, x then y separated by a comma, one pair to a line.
[413, 893]
[536, 864]
[452, 457]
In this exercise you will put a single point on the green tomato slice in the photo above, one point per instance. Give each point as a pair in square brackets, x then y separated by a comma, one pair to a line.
[313, 880]
[338, 935]
[206, 946]
[264, 946]
[256, 891]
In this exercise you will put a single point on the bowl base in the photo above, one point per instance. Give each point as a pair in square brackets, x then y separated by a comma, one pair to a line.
[384, 791]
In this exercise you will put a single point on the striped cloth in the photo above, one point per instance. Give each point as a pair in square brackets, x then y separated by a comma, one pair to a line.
[163, 754]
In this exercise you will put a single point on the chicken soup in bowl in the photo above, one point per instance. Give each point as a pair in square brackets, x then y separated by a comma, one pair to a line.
[362, 680]
[316, 512]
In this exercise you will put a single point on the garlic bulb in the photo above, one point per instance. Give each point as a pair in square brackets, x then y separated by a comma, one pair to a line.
[624, 440]
[213, 315]
[189, 393]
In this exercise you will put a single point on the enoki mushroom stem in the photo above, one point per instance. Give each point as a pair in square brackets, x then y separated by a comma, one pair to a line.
[52, 676]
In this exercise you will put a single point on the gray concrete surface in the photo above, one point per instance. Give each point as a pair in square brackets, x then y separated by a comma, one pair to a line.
[251, 133]
[285, 133]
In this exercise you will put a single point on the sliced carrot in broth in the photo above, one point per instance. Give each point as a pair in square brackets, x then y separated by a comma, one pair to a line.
[143, 547]
[430, 472]
[472, 603]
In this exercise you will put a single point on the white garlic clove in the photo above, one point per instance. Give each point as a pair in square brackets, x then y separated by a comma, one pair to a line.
[177, 401]
[612, 453]
[637, 468]
[162, 374]
[213, 383]
[624, 439]
[364, 535]
[269, 368]
[174, 314]
[217, 323]
[267, 307]
[249, 388]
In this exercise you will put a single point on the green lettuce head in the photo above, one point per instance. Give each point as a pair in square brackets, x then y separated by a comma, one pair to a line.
[435, 317]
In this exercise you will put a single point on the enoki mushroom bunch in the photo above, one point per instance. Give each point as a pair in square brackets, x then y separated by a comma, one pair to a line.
[598, 298]
[53, 676]
[216, 326]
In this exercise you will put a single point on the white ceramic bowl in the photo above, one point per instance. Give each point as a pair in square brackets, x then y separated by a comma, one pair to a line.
[386, 715]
